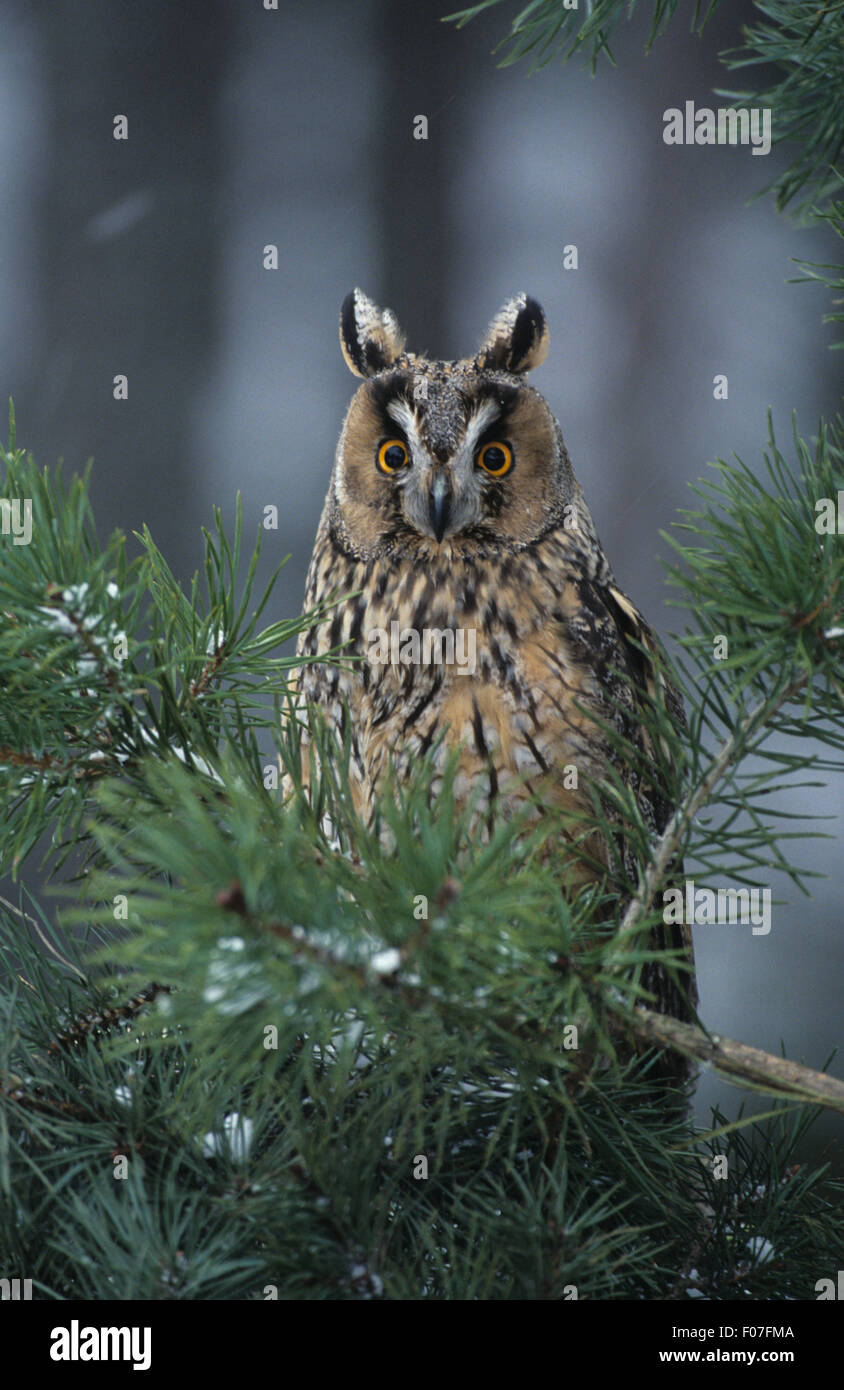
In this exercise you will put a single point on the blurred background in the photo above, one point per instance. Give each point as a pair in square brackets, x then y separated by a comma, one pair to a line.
[295, 127]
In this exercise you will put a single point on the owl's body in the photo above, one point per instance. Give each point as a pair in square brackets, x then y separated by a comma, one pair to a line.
[453, 511]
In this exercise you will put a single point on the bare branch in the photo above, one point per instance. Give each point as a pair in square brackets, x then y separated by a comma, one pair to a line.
[675, 831]
[738, 1060]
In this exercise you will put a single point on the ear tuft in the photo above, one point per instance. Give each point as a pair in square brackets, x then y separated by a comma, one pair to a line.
[517, 339]
[370, 338]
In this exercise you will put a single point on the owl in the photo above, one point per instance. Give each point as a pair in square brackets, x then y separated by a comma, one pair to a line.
[474, 595]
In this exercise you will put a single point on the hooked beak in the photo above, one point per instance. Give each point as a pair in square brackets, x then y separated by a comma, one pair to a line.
[440, 505]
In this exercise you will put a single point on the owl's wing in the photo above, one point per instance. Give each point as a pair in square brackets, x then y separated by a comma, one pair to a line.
[643, 658]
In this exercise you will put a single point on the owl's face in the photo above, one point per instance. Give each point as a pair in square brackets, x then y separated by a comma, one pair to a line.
[446, 457]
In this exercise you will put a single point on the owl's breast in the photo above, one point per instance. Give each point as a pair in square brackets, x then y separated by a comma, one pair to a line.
[508, 708]
[482, 660]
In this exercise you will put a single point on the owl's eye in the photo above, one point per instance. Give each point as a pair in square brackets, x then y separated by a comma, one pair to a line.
[495, 458]
[392, 456]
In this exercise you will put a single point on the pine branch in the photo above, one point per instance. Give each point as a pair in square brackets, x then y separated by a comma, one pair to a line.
[500, 1034]
[802, 42]
[736, 1059]
[42, 936]
[828, 274]
[675, 834]
[549, 29]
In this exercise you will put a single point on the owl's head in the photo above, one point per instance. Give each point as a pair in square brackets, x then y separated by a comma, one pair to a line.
[446, 457]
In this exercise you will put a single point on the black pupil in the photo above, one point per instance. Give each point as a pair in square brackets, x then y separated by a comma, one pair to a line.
[394, 456]
[494, 457]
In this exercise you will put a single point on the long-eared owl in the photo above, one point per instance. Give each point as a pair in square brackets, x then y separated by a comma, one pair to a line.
[484, 608]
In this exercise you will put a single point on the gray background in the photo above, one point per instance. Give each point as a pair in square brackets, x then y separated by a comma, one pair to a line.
[248, 127]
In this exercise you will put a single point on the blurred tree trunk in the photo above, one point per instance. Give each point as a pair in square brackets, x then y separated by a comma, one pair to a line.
[128, 244]
[422, 74]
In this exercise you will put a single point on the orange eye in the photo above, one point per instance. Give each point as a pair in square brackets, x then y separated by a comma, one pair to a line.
[392, 456]
[496, 459]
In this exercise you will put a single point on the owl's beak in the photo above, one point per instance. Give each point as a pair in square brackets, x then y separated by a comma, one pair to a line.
[440, 505]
